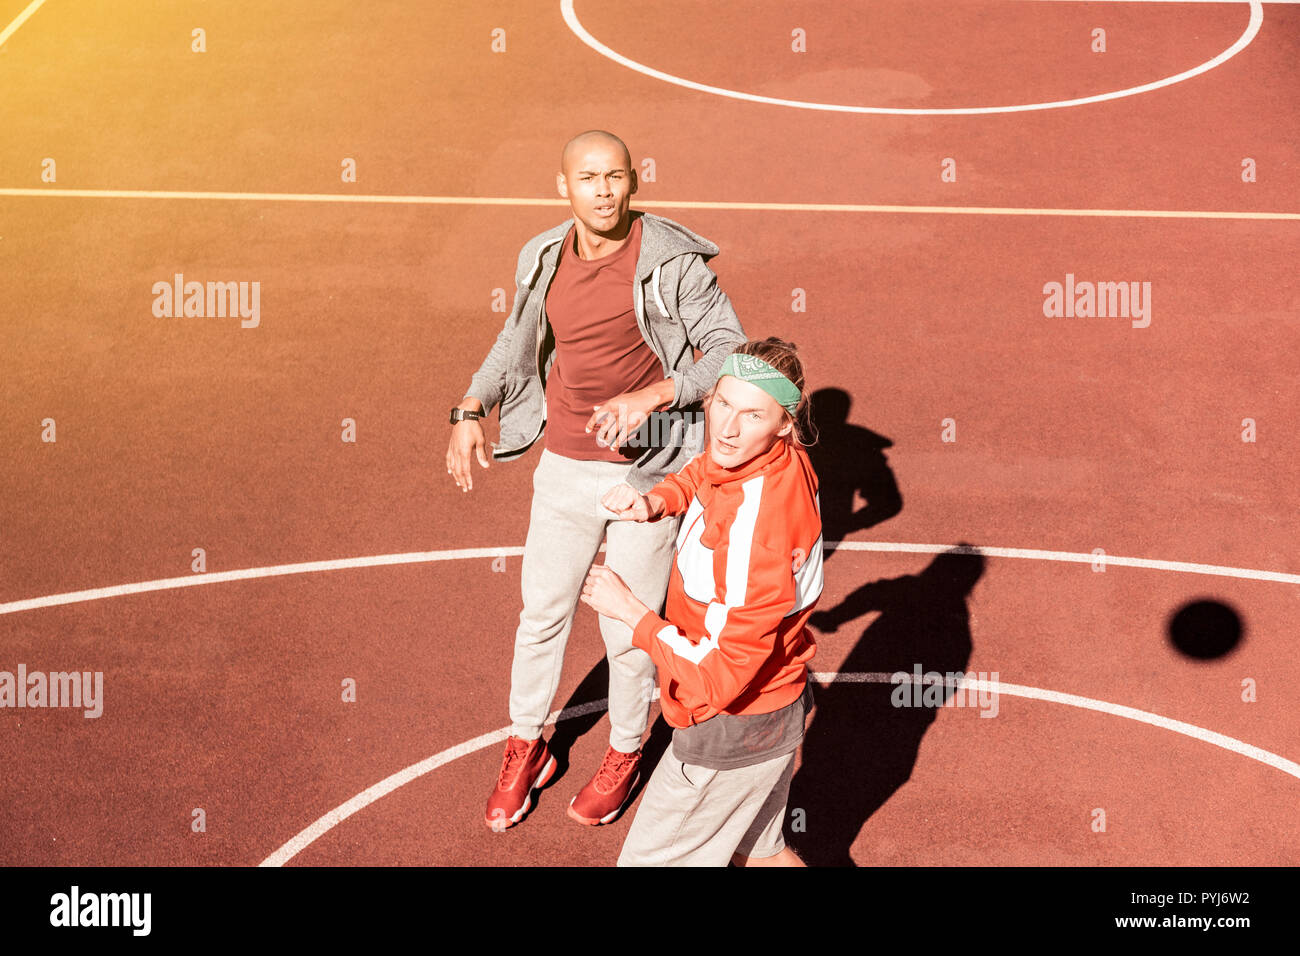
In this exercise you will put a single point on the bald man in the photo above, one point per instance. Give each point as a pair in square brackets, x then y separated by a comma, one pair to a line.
[598, 354]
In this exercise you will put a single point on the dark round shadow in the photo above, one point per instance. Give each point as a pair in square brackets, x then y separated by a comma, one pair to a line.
[1205, 629]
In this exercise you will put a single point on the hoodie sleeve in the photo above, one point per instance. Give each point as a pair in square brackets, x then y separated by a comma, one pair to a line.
[712, 326]
[678, 490]
[716, 665]
[489, 383]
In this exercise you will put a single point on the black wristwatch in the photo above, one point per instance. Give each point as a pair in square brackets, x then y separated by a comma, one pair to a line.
[462, 414]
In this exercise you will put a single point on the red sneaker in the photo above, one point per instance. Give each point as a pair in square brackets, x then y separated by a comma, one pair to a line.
[527, 766]
[603, 798]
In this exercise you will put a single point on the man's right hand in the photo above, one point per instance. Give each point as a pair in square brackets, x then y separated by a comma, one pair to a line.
[467, 442]
[628, 504]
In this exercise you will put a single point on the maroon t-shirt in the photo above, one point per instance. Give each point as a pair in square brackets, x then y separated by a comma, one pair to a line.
[599, 350]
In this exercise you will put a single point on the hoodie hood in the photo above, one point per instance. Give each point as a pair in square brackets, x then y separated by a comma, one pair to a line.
[662, 239]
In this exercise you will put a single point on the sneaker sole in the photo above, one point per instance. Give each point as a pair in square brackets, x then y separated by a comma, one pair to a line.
[609, 817]
[542, 780]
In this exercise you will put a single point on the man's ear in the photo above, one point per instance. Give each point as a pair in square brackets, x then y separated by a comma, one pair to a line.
[785, 429]
[561, 186]
[632, 170]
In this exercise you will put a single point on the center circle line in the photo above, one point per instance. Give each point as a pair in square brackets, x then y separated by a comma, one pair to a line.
[317, 829]
[1243, 41]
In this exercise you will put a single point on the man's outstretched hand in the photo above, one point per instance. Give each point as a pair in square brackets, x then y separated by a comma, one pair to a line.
[614, 420]
[467, 442]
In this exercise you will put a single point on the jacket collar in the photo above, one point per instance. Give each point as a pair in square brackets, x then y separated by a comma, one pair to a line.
[775, 456]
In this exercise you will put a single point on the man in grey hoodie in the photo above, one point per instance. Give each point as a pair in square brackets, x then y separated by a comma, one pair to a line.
[598, 350]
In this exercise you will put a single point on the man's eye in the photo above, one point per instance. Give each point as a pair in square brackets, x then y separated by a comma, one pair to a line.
[754, 416]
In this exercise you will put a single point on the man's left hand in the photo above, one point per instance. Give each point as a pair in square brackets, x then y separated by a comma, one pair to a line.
[623, 414]
[605, 592]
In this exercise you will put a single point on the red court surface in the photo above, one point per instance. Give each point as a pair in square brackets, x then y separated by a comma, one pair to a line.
[923, 303]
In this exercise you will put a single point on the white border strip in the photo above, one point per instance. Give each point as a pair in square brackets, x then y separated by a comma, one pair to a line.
[465, 554]
[581, 32]
[333, 818]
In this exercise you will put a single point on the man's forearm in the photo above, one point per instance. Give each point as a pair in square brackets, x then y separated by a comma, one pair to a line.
[664, 392]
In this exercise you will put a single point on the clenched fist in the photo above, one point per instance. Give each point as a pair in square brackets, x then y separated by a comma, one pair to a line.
[628, 504]
[606, 593]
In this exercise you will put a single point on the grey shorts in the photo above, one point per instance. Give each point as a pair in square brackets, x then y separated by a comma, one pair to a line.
[693, 816]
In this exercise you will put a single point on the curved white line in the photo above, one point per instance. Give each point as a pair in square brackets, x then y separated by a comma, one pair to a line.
[1256, 19]
[1106, 560]
[1091, 703]
[419, 557]
[386, 786]
[220, 577]
[320, 827]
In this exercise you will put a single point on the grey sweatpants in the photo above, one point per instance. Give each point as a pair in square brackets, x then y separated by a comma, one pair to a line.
[694, 816]
[565, 529]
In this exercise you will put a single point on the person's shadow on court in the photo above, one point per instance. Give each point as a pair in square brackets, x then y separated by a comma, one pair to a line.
[849, 460]
[860, 748]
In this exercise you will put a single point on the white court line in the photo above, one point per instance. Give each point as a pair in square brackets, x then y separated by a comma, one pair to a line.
[1188, 567]
[462, 554]
[581, 32]
[19, 20]
[201, 194]
[221, 577]
[313, 832]
[651, 204]
[416, 770]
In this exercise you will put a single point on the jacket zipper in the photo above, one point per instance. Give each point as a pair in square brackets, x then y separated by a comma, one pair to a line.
[641, 321]
[540, 335]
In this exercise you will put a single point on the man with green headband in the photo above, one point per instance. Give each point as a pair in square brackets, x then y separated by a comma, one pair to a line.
[731, 647]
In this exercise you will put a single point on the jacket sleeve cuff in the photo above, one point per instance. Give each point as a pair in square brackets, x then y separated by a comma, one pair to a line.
[487, 397]
[644, 633]
[691, 386]
[674, 501]
[682, 393]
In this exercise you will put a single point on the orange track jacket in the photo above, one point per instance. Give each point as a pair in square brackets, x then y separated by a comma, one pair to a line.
[746, 576]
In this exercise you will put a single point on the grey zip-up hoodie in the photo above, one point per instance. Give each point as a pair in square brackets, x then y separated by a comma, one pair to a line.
[678, 306]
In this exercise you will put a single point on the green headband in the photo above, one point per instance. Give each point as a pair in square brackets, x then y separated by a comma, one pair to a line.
[752, 369]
